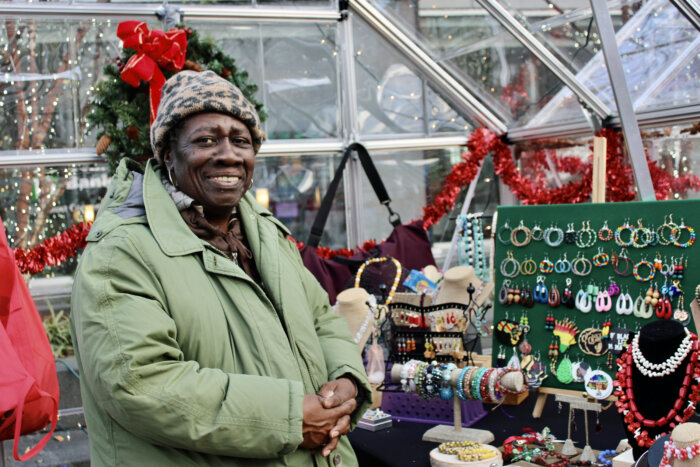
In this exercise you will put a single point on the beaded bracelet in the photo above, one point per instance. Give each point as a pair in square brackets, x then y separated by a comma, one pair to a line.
[475, 454]
[484, 385]
[460, 383]
[603, 457]
[475, 383]
[650, 276]
[495, 396]
[453, 447]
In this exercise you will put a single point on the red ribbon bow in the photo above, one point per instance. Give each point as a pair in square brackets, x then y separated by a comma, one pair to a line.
[155, 50]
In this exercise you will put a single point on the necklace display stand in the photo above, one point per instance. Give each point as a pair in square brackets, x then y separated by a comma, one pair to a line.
[578, 403]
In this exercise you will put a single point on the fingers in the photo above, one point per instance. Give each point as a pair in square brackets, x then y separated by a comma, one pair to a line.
[342, 427]
[330, 447]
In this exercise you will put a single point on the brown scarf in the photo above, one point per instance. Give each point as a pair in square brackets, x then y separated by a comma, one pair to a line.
[233, 242]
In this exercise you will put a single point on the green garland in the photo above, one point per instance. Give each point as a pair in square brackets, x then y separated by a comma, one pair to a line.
[121, 111]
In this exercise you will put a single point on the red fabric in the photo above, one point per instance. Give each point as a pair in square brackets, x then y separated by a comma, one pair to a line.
[408, 243]
[28, 382]
[154, 50]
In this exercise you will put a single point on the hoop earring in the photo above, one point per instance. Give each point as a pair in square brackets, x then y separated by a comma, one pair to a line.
[250, 185]
[170, 177]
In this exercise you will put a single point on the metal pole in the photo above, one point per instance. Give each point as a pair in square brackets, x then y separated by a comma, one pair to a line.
[633, 139]
[352, 182]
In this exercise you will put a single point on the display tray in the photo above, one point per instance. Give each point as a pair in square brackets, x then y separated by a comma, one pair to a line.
[410, 407]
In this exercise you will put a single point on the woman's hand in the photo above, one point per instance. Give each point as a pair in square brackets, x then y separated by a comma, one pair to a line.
[319, 422]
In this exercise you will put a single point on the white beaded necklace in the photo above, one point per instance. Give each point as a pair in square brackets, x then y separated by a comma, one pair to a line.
[655, 370]
[363, 328]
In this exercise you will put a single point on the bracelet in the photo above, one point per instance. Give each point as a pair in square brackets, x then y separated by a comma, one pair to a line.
[460, 383]
[453, 447]
[603, 457]
[475, 383]
[475, 454]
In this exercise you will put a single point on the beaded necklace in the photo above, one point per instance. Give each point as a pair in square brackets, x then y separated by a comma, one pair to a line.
[654, 370]
[671, 451]
[634, 420]
[381, 259]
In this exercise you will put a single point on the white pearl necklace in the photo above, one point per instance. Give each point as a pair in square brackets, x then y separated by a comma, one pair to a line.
[363, 328]
[655, 370]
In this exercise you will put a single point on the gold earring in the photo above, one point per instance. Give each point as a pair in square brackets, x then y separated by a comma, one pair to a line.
[170, 177]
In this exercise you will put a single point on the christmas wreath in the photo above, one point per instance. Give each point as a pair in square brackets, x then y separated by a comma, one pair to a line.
[122, 106]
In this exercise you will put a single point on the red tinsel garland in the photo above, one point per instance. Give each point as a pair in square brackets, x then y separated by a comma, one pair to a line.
[52, 251]
[532, 189]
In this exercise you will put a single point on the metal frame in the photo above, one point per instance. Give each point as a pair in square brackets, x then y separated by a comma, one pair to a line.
[527, 39]
[580, 128]
[633, 138]
[690, 10]
[211, 13]
[440, 78]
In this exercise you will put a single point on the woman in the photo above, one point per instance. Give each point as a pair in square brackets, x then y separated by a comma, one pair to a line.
[200, 336]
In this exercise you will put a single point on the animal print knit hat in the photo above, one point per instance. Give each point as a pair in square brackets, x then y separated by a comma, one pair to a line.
[190, 92]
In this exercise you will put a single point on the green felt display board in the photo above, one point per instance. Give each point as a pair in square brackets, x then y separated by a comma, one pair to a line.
[652, 215]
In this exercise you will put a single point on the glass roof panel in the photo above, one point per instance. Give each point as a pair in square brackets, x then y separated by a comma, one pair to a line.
[392, 96]
[489, 62]
[655, 40]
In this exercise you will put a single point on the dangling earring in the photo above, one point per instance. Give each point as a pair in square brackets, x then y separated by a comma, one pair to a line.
[250, 185]
[170, 177]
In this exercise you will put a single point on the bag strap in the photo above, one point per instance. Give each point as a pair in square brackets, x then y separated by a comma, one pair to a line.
[374, 179]
[18, 427]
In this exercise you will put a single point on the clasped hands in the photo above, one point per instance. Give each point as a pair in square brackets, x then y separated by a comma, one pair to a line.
[327, 414]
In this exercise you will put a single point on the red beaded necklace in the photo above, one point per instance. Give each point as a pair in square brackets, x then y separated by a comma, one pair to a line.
[635, 421]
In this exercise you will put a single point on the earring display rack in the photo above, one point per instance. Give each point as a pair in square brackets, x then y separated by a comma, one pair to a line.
[556, 236]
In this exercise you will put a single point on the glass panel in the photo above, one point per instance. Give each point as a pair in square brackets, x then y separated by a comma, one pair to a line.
[651, 45]
[442, 117]
[301, 80]
[389, 93]
[292, 188]
[678, 85]
[677, 151]
[412, 179]
[39, 84]
[38, 203]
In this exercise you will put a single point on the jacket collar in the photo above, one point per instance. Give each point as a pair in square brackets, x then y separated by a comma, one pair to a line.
[174, 236]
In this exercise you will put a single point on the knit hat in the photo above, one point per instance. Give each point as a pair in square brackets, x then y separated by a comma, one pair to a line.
[190, 92]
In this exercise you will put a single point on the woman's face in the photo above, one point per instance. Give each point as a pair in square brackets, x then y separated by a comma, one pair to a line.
[212, 161]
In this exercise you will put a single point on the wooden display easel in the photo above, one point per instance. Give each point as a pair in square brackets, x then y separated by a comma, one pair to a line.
[598, 196]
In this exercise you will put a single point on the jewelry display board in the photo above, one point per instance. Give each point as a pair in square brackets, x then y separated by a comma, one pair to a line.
[538, 247]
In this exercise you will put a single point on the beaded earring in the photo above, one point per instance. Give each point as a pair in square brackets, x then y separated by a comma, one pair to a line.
[615, 259]
[570, 234]
[546, 266]
[667, 225]
[514, 235]
[553, 230]
[567, 295]
[619, 234]
[549, 322]
[649, 276]
[510, 262]
[504, 229]
[537, 233]
[677, 232]
[601, 259]
[586, 237]
[581, 266]
[541, 292]
[605, 234]
[528, 267]
[562, 266]
[641, 236]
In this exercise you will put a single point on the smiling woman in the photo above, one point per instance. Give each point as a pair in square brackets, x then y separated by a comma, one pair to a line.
[201, 337]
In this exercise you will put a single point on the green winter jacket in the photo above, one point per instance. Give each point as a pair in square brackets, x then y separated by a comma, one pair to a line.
[184, 360]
